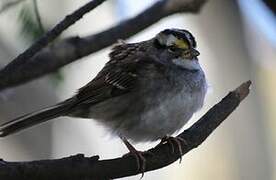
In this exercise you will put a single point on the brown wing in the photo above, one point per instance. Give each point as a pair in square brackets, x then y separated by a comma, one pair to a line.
[118, 77]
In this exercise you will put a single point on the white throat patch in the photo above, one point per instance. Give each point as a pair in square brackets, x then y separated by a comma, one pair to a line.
[187, 64]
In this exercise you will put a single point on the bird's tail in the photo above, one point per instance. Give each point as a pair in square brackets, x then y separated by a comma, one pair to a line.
[34, 118]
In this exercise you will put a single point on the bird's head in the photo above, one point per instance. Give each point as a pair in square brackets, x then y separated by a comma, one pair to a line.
[177, 46]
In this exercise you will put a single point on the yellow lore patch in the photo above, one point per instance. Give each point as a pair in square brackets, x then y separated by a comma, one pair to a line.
[181, 44]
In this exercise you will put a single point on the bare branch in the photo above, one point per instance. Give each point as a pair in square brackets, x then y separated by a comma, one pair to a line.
[80, 167]
[25, 57]
[24, 69]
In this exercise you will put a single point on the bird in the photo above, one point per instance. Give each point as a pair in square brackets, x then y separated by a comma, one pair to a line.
[146, 92]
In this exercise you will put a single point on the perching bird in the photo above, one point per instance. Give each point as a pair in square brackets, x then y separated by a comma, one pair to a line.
[147, 91]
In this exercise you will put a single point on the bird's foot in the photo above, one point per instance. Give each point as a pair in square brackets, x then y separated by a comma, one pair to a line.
[171, 142]
[139, 156]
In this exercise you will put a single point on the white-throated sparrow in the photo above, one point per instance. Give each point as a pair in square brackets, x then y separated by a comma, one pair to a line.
[147, 90]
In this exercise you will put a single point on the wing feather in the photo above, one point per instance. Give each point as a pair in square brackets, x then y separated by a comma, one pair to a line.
[118, 77]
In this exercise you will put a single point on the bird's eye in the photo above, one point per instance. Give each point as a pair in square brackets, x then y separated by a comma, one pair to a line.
[172, 49]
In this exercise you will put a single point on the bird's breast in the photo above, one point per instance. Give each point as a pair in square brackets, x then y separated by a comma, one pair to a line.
[154, 111]
[171, 112]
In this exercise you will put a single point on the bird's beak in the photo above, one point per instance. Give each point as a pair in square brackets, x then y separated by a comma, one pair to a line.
[190, 54]
[195, 52]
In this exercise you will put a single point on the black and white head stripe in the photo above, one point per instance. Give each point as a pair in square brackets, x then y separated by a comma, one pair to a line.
[182, 34]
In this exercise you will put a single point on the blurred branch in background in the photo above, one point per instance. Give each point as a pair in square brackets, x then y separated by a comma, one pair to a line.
[37, 15]
[271, 4]
[22, 99]
[30, 26]
[79, 167]
[26, 67]
[21, 62]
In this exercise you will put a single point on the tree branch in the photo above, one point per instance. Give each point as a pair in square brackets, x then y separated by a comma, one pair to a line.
[79, 167]
[21, 62]
[27, 67]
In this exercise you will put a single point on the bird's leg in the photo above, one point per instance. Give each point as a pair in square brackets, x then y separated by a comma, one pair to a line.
[140, 159]
[174, 140]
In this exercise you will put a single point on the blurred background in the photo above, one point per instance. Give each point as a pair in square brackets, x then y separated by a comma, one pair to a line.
[237, 41]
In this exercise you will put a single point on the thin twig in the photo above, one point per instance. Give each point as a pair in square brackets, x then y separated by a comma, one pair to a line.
[38, 17]
[80, 167]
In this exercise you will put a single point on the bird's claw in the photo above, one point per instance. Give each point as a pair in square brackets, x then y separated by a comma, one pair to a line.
[139, 156]
[171, 141]
[140, 160]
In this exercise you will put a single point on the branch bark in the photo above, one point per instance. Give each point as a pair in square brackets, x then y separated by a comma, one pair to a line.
[27, 67]
[79, 167]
